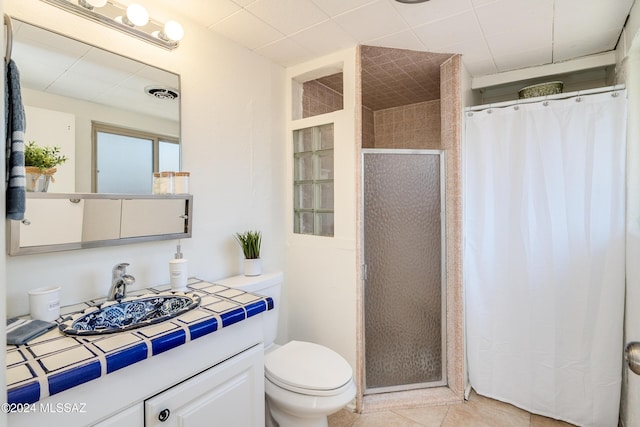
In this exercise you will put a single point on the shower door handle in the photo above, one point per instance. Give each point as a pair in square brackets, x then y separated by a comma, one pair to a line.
[632, 356]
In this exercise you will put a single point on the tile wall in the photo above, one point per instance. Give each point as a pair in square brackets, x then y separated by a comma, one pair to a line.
[415, 126]
[318, 98]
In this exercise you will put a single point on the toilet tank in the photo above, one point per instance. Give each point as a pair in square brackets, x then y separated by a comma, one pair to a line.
[266, 284]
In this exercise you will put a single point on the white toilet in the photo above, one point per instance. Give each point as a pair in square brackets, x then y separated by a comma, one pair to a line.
[304, 382]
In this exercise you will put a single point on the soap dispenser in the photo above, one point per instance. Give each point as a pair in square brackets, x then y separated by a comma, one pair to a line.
[178, 271]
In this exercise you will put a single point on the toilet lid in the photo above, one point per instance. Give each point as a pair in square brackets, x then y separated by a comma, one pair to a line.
[307, 366]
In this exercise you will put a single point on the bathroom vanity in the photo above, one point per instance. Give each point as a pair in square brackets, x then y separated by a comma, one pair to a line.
[204, 365]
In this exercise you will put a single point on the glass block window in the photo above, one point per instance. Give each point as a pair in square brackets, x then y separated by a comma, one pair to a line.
[313, 180]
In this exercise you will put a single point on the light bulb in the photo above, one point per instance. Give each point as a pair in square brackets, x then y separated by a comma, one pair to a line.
[137, 15]
[173, 30]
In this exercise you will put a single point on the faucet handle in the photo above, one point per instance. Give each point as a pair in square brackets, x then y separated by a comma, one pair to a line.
[120, 269]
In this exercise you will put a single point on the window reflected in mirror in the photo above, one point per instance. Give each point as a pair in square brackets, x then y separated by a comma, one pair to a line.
[126, 159]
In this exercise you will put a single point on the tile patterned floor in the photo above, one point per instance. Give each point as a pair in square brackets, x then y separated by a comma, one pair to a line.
[479, 411]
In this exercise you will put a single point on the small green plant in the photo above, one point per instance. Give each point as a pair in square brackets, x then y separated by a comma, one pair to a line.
[250, 243]
[42, 158]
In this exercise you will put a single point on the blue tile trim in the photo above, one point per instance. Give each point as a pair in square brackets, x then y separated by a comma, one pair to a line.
[126, 357]
[203, 328]
[231, 317]
[28, 393]
[256, 308]
[269, 303]
[169, 341]
[73, 377]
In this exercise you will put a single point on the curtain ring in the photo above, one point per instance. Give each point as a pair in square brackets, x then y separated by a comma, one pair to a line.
[578, 99]
[545, 103]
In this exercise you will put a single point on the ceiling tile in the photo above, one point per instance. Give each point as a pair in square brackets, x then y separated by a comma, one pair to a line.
[402, 40]
[422, 13]
[247, 30]
[525, 39]
[44, 40]
[474, 50]
[336, 7]
[604, 14]
[574, 37]
[288, 16]
[324, 38]
[448, 31]
[523, 59]
[208, 12]
[371, 21]
[286, 52]
[159, 76]
[480, 68]
[594, 42]
[509, 16]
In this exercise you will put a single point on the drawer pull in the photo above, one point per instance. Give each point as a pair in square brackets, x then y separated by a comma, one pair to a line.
[164, 415]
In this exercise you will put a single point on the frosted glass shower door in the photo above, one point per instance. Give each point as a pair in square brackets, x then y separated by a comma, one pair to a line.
[403, 220]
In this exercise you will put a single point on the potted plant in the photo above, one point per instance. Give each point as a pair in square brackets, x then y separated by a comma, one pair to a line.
[40, 165]
[250, 242]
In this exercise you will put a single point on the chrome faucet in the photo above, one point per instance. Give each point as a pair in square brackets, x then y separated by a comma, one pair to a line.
[119, 281]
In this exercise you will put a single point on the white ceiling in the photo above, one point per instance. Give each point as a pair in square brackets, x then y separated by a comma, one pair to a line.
[492, 35]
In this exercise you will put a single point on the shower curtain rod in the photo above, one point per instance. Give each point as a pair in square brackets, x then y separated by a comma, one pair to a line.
[615, 88]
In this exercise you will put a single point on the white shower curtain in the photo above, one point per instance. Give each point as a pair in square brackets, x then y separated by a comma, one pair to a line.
[545, 255]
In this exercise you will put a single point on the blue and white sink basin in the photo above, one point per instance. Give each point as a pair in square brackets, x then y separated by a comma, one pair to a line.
[129, 313]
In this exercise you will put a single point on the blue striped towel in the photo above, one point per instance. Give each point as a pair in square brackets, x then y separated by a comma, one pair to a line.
[15, 124]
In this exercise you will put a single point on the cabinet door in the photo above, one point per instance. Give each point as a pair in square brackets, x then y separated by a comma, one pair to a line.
[230, 394]
[50, 222]
[130, 417]
[149, 217]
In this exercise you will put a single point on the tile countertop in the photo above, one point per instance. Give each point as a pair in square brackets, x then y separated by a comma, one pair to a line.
[55, 362]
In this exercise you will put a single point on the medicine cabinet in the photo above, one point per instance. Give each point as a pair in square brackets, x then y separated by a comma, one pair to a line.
[59, 222]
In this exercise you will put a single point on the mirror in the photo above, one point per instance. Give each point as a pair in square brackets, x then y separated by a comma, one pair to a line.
[70, 87]
[60, 222]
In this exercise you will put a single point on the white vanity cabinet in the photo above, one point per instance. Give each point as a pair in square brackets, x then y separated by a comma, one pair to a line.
[130, 417]
[217, 379]
[230, 394]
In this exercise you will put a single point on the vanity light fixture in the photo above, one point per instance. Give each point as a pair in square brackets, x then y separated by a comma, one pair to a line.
[133, 20]
[90, 4]
[411, 1]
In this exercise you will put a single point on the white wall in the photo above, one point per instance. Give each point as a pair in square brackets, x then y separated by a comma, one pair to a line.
[233, 145]
[55, 129]
[321, 278]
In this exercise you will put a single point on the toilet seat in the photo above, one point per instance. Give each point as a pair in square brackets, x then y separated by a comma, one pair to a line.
[308, 368]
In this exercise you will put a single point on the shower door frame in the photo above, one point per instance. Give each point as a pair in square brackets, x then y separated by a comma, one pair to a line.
[443, 269]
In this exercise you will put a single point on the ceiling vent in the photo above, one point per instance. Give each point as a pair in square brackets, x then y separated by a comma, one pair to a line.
[162, 92]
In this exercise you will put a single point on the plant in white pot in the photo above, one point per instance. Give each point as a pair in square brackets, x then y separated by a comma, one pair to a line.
[40, 165]
[250, 242]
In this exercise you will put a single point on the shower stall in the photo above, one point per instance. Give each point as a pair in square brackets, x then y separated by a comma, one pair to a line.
[410, 231]
[404, 283]
[395, 252]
